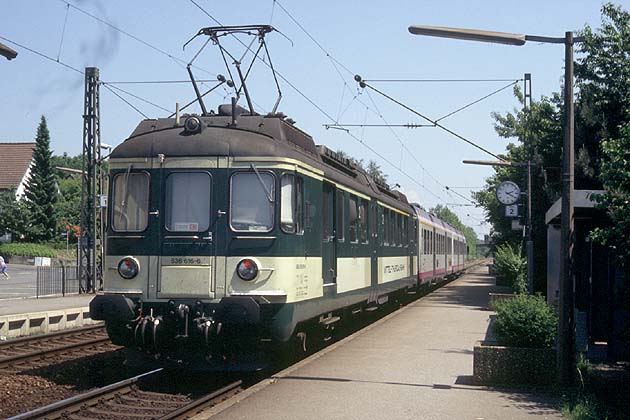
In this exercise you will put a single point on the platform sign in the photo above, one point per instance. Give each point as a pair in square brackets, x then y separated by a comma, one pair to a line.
[516, 224]
[511, 210]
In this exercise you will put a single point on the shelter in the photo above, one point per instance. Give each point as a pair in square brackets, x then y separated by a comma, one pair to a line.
[602, 294]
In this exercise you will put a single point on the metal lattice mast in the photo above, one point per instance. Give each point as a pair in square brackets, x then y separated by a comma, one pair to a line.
[91, 243]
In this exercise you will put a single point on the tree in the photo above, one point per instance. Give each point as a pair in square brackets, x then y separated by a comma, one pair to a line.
[374, 170]
[539, 135]
[41, 189]
[68, 208]
[602, 75]
[615, 175]
[603, 104]
[602, 107]
[13, 218]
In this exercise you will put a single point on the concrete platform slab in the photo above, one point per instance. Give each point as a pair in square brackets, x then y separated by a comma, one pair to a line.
[416, 363]
[22, 317]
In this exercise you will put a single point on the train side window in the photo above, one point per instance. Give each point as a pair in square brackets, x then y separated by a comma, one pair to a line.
[252, 202]
[425, 243]
[405, 235]
[340, 216]
[130, 197]
[399, 227]
[392, 228]
[431, 242]
[363, 221]
[353, 218]
[187, 206]
[288, 204]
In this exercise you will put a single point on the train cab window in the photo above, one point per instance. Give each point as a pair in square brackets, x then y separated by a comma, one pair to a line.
[291, 204]
[353, 219]
[130, 197]
[187, 206]
[363, 221]
[340, 216]
[252, 199]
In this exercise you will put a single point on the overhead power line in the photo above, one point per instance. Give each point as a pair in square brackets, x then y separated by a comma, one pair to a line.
[47, 57]
[440, 80]
[459, 136]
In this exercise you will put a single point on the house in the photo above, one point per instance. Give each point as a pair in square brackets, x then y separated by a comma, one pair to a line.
[15, 166]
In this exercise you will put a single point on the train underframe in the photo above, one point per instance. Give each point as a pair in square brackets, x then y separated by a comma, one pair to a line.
[235, 334]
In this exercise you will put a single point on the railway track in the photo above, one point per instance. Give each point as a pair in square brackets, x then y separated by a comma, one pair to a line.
[126, 399]
[29, 352]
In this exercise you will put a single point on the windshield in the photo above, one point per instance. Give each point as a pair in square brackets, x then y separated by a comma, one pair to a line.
[252, 200]
[130, 201]
[188, 201]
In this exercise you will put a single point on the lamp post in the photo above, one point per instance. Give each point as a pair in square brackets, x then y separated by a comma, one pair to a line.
[566, 350]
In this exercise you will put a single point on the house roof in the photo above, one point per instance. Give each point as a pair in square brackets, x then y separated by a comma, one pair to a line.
[15, 159]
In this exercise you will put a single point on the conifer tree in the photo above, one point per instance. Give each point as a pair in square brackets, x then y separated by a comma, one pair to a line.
[41, 189]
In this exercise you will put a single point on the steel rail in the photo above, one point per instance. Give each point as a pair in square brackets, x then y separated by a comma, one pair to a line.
[57, 409]
[92, 399]
[52, 335]
[6, 361]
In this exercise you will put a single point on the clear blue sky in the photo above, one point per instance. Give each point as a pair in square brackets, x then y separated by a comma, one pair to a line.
[369, 38]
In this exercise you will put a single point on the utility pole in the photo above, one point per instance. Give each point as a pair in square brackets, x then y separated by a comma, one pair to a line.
[91, 242]
[566, 346]
[529, 242]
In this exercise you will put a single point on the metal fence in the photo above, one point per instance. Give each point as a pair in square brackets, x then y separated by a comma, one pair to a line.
[53, 281]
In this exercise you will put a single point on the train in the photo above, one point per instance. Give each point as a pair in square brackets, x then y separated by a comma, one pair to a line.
[232, 234]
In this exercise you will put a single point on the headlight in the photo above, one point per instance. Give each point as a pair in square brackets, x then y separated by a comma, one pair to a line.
[193, 125]
[128, 268]
[247, 269]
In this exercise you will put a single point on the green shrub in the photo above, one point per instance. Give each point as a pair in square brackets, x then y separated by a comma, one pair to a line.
[583, 407]
[509, 264]
[525, 321]
[27, 250]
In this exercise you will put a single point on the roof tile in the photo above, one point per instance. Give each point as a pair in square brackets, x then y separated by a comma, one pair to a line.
[14, 161]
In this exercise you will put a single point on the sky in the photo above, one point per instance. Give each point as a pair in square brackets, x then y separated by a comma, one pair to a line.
[319, 47]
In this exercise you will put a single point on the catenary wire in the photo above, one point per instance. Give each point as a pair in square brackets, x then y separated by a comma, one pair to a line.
[63, 31]
[47, 57]
[336, 64]
[477, 101]
[124, 100]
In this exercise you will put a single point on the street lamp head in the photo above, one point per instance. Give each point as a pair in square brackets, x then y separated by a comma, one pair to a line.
[7, 52]
[469, 34]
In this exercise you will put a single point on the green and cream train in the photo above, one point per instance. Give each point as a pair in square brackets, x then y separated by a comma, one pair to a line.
[232, 234]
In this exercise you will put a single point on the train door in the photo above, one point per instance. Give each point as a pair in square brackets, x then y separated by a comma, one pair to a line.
[329, 242]
[374, 241]
[187, 234]
[432, 245]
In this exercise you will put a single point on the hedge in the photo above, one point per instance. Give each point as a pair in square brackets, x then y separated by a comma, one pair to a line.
[27, 250]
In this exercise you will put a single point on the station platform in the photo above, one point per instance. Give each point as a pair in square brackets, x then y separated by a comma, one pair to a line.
[28, 316]
[416, 363]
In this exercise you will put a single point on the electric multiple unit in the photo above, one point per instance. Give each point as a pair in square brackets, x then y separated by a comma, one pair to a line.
[233, 234]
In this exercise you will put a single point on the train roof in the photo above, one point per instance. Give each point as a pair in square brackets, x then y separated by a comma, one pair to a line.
[434, 221]
[252, 135]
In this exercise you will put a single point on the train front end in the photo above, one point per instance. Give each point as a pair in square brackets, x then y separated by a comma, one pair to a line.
[193, 259]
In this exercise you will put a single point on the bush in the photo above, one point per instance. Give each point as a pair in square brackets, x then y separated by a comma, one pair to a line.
[525, 321]
[509, 264]
[27, 250]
